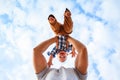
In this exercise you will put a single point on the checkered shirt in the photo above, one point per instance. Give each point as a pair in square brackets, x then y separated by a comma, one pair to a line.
[61, 47]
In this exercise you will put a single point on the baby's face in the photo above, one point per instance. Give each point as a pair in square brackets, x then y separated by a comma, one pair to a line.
[62, 56]
[51, 20]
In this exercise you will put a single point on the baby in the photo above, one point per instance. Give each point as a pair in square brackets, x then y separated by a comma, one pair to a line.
[62, 31]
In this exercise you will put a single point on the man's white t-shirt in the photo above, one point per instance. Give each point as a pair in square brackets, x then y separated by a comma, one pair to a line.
[61, 74]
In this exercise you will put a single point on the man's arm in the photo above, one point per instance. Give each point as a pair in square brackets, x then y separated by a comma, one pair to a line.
[38, 58]
[81, 62]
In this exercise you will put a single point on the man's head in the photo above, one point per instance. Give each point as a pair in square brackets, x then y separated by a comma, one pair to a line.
[62, 56]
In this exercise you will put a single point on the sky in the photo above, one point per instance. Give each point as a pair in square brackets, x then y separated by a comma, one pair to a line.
[24, 25]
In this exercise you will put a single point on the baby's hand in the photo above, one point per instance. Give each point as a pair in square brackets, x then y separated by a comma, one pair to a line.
[49, 64]
[73, 53]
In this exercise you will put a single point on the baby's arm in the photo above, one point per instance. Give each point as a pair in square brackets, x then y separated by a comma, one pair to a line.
[73, 52]
[54, 24]
[50, 60]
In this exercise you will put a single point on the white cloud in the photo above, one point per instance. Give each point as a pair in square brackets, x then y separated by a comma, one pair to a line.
[19, 17]
[110, 10]
[105, 71]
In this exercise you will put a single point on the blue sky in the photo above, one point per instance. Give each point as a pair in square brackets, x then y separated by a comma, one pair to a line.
[24, 24]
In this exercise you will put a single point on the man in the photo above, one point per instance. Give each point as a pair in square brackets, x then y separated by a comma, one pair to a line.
[45, 73]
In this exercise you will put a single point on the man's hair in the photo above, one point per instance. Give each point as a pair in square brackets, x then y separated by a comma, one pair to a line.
[51, 15]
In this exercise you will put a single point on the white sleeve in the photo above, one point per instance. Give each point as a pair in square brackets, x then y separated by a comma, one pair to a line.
[81, 76]
[41, 74]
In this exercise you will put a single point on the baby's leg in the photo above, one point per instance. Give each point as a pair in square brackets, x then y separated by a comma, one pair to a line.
[56, 27]
[68, 23]
[54, 24]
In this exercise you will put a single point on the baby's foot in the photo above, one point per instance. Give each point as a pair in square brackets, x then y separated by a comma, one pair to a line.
[67, 13]
[51, 19]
